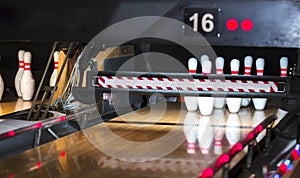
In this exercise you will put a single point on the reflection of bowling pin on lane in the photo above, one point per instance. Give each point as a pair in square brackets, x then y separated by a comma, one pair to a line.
[27, 80]
[260, 103]
[206, 104]
[246, 120]
[233, 132]
[258, 117]
[190, 131]
[234, 104]
[219, 102]
[54, 73]
[283, 66]
[205, 134]
[247, 63]
[20, 72]
[191, 102]
[218, 120]
[19, 104]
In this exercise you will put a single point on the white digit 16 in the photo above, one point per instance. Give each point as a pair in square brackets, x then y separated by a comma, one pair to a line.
[206, 22]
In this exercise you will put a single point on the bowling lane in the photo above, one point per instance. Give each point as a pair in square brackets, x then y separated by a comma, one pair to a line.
[152, 142]
[9, 105]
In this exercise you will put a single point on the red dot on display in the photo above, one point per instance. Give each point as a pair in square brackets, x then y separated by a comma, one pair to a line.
[247, 25]
[232, 24]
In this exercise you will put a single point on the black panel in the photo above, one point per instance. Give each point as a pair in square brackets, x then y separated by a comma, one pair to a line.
[276, 23]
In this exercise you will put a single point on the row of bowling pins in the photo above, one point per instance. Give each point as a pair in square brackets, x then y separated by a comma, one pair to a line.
[24, 80]
[206, 104]
[204, 130]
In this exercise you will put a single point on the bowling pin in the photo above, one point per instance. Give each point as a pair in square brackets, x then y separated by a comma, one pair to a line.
[190, 130]
[206, 104]
[205, 134]
[204, 58]
[283, 73]
[248, 64]
[233, 130]
[283, 66]
[20, 72]
[1, 87]
[219, 102]
[234, 104]
[54, 73]
[27, 81]
[191, 102]
[218, 120]
[260, 103]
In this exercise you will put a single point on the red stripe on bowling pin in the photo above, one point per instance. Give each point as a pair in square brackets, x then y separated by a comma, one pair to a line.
[218, 142]
[219, 71]
[247, 70]
[192, 71]
[260, 72]
[27, 66]
[234, 72]
[21, 64]
[55, 65]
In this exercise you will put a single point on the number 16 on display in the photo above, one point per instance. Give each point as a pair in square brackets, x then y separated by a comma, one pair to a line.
[204, 21]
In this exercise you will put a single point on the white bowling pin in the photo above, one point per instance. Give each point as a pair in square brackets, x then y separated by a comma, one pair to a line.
[260, 103]
[258, 117]
[190, 130]
[233, 130]
[20, 72]
[54, 73]
[191, 102]
[1, 87]
[248, 64]
[218, 120]
[205, 134]
[219, 102]
[283, 66]
[27, 81]
[234, 104]
[206, 104]
[204, 58]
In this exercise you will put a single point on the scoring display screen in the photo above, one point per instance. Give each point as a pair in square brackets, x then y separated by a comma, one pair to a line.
[204, 21]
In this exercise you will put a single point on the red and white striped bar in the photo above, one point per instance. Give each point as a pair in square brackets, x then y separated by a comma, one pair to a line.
[183, 85]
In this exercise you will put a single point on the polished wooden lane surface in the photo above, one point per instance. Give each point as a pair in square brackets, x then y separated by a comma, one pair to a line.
[9, 105]
[146, 143]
